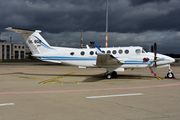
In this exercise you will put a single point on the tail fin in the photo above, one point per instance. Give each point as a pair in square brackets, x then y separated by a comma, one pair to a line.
[34, 40]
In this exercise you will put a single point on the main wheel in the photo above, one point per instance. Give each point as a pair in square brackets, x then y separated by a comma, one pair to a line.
[170, 75]
[108, 76]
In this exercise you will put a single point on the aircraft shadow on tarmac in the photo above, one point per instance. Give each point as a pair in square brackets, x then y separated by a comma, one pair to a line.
[100, 77]
[22, 73]
[93, 78]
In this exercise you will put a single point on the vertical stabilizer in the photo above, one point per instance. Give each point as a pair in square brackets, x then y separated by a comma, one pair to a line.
[34, 40]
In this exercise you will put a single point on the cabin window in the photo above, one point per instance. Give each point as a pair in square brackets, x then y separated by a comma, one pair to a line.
[82, 53]
[126, 51]
[96, 52]
[138, 51]
[114, 52]
[103, 51]
[72, 53]
[109, 52]
[91, 53]
[120, 51]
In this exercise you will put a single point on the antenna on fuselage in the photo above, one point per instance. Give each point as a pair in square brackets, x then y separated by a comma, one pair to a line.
[106, 44]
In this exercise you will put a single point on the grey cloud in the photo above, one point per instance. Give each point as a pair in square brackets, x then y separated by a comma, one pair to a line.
[167, 41]
[58, 16]
[131, 22]
[140, 2]
[163, 39]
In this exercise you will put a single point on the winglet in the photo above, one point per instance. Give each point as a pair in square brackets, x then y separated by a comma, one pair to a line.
[99, 51]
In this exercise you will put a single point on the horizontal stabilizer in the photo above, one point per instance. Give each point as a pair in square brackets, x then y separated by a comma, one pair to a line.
[18, 30]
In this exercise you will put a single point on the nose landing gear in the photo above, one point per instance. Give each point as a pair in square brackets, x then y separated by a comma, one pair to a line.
[170, 75]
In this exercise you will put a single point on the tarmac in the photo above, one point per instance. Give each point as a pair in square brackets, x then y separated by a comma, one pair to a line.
[35, 91]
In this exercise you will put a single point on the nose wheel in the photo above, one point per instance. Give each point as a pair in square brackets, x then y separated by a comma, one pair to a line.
[170, 75]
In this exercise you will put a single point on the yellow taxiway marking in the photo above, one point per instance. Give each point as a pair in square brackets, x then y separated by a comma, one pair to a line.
[19, 68]
[16, 75]
[33, 78]
[159, 78]
[25, 77]
[2, 74]
[20, 76]
[50, 80]
[62, 82]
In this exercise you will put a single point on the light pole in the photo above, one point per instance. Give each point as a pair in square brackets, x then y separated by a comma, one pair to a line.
[11, 46]
[81, 37]
[106, 44]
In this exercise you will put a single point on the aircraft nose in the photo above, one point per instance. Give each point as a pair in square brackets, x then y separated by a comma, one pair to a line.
[168, 59]
[171, 59]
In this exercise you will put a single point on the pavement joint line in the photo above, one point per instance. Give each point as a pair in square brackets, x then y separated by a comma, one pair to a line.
[50, 80]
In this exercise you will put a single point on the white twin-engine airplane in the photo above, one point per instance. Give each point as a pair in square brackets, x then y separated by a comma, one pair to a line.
[112, 58]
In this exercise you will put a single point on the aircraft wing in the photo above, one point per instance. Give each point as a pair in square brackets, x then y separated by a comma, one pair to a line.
[106, 60]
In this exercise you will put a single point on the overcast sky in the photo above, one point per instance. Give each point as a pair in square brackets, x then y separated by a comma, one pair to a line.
[131, 22]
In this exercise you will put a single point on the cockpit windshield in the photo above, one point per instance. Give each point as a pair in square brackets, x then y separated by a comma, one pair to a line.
[144, 50]
[138, 51]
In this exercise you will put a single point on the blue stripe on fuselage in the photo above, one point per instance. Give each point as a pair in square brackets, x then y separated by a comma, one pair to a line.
[90, 59]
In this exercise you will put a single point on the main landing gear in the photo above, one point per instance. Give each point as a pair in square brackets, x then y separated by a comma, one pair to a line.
[111, 75]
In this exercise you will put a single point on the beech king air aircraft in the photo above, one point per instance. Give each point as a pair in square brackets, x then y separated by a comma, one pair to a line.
[112, 58]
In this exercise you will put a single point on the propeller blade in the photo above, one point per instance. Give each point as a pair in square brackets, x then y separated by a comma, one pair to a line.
[155, 50]
[155, 53]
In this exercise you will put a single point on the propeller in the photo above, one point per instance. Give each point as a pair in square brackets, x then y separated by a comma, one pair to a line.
[155, 58]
